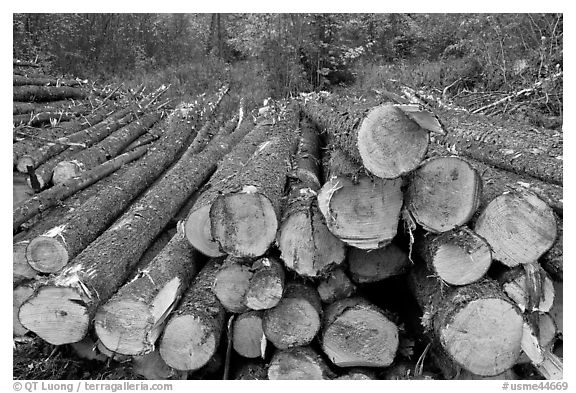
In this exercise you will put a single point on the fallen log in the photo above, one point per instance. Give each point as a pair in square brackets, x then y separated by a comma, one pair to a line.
[114, 254]
[48, 198]
[377, 265]
[335, 286]
[21, 108]
[457, 257]
[38, 119]
[106, 149]
[356, 333]
[133, 319]
[379, 137]
[266, 285]
[301, 363]
[244, 219]
[46, 93]
[19, 80]
[362, 211]
[295, 321]
[443, 193]
[306, 245]
[476, 326]
[519, 227]
[193, 332]
[248, 337]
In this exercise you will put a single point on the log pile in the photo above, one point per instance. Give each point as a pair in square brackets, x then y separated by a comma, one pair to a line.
[328, 239]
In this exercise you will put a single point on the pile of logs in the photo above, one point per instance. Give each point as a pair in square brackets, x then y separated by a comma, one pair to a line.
[329, 239]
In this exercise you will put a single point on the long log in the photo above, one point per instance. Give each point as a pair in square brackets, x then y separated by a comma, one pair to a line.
[46, 93]
[19, 80]
[476, 325]
[516, 150]
[85, 224]
[133, 319]
[193, 332]
[301, 363]
[356, 333]
[38, 119]
[362, 211]
[379, 137]
[244, 219]
[50, 197]
[103, 266]
[295, 321]
[377, 265]
[21, 108]
[306, 245]
[106, 149]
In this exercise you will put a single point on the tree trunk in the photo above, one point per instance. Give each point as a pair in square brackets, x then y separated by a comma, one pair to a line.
[476, 325]
[133, 319]
[335, 286]
[518, 151]
[46, 93]
[19, 80]
[38, 119]
[377, 265]
[362, 211]
[302, 363]
[306, 244]
[379, 137]
[106, 149]
[244, 219]
[85, 138]
[458, 257]
[22, 108]
[193, 332]
[248, 337]
[295, 321]
[355, 333]
[519, 227]
[54, 195]
[443, 193]
[105, 264]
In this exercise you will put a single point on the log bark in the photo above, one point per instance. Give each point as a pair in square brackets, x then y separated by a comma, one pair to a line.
[193, 332]
[335, 286]
[302, 363]
[48, 198]
[476, 326]
[133, 319]
[519, 227]
[295, 321]
[362, 211]
[356, 333]
[266, 285]
[46, 93]
[443, 193]
[379, 137]
[244, 219]
[515, 150]
[457, 257]
[102, 267]
[19, 80]
[377, 265]
[106, 149]
[248, 337]
[306, 245]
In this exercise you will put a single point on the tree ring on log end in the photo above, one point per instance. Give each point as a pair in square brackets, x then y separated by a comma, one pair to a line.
[65, 170]
[46, 254]
[390, 144]
[23, 163]
[243, 223]
[484, 336]
[56, 314]
[198, 232]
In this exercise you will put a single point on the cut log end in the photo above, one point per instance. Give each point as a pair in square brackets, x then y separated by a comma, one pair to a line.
[266, 285]
[390, 144]
[24, 162]
[230, 286]
[364, 215]
[187, 343]
[198, 232]
[298, 364]
[244, 223]
[22, 270]
[65, 170]
[56, 314]
[377, 265]
[444, 193]
[19, 296]
[46, 254]
[248, 336]
[519, 227]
